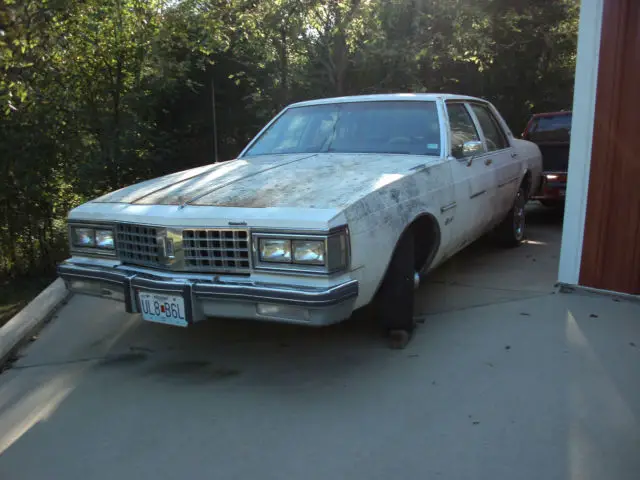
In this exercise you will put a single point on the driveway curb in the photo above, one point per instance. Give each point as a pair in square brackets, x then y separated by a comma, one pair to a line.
[582, 290]
[31, 317]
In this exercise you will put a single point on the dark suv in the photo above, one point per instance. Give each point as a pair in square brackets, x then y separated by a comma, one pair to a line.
[552, 133]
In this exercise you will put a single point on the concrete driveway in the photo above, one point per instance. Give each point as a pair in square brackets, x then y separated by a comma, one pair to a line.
[504, 380]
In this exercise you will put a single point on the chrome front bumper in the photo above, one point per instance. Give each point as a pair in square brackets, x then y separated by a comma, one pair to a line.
[208, 296]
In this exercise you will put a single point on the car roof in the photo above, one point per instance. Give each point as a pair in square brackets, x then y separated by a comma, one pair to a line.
[416, 97]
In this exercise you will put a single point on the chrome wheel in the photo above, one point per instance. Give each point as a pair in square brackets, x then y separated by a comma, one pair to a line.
[511, 231]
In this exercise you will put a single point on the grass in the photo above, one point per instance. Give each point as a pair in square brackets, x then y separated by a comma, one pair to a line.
[16, 293]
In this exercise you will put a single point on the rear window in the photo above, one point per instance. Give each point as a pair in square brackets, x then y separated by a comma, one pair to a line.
[552, 129]
[550, 124]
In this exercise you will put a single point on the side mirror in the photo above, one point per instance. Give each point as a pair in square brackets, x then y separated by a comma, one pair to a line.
[468, 149]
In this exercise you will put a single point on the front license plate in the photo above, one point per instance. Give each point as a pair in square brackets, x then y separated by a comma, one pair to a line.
[167, 309]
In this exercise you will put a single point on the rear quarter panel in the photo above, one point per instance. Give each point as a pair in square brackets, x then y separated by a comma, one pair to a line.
[531, 158]
[528, 153]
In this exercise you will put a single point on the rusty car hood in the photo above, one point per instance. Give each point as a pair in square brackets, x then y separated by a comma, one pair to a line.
[327, 180]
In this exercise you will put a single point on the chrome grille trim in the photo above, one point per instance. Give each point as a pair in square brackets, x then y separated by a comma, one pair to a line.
[216, 250]
[139, 244]
[174, 249]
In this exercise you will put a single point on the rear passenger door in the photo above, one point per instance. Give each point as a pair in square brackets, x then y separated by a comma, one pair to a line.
[501, 156]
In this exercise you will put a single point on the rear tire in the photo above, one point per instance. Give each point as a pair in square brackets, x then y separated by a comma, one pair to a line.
[512, 229]
[395, 297]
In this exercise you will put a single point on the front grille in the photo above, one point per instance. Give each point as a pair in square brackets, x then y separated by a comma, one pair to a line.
[138, 244]
[203, 250]
[210, 250]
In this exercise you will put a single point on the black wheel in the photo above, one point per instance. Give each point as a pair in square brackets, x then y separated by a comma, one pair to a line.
[511, 230]
[395, 298]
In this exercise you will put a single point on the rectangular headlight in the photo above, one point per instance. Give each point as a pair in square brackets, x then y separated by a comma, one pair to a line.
[309, 252]
[83, 237]
[299, 252]
[275, 250]
[104, 239]
[92, 239]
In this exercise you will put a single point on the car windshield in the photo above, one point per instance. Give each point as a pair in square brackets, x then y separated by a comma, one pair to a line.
[402, 127]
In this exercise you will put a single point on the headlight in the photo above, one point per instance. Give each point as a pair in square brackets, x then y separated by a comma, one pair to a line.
[297, 252]
[104, 239]
[275, 250]
[83, 237]
[309, 252]
[97, 238]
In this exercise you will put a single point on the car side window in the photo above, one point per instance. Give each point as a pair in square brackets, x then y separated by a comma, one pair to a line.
[462, 127]
[493, 133]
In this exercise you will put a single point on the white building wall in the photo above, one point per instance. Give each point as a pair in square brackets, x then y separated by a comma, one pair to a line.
[584, 103]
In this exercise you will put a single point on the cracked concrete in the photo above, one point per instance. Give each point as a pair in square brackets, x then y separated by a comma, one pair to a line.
[504, 379]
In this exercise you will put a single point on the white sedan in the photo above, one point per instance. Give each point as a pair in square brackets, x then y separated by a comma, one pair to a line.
[336, 203]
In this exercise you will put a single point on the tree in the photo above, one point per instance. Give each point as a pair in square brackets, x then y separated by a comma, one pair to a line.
[98, 94]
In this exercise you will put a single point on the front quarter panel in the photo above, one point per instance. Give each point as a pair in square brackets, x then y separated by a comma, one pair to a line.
[377, 221]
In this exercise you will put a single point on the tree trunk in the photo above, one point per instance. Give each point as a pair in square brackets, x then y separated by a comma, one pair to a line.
[116, 99]
[341, 62]
[284, 65]
[115, 150]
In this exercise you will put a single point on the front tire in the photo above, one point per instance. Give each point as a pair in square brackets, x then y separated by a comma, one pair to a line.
[512, 229]
[395, 297]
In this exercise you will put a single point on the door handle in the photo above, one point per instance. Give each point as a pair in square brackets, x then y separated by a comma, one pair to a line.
[514, 154]
[488, 161]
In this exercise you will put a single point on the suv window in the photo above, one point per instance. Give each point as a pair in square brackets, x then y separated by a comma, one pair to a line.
[462, 126]
[495, 137]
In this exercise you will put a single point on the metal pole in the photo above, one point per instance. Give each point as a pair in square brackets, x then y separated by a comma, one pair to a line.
[215, 125]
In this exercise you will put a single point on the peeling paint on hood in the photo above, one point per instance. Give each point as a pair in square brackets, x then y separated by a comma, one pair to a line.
[327, 180]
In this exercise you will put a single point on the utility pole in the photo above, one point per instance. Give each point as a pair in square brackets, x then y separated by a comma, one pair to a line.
[213, 119]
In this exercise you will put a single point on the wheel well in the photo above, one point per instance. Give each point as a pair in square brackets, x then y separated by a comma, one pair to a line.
[426, 234]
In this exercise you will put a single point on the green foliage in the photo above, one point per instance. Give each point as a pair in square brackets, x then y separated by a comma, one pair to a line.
[95, 95]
